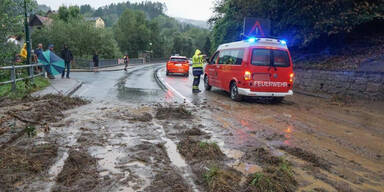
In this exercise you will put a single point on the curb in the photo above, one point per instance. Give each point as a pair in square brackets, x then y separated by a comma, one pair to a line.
[158, 81]
[74, 89]
[166, 87]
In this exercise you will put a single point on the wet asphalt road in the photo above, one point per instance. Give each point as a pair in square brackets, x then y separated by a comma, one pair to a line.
[137, 85]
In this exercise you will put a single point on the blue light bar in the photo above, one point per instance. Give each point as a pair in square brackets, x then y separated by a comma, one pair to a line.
[252, 39]
[283, 42]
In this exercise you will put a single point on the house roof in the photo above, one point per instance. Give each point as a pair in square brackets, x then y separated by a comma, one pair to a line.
[38, 20]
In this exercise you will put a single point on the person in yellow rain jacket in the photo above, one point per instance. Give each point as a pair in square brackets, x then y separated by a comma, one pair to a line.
[23, 52]
[197, 70]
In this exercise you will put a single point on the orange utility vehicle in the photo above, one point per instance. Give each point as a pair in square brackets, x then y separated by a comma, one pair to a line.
[178, 64]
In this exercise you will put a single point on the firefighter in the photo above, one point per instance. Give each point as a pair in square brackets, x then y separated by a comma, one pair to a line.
[197, 70]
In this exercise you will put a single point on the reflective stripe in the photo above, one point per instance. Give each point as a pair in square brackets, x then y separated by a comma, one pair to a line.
[197, 65]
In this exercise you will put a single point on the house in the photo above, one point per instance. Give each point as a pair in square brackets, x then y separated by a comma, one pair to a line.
[99, 22]
[37, 21]
[50, 13]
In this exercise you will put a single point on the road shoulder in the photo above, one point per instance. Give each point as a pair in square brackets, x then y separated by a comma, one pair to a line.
[65, 87]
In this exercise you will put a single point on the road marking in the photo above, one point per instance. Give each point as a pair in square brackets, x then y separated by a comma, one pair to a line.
[173, 89]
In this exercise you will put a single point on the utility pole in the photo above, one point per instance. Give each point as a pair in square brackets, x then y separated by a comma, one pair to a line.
[27, 38]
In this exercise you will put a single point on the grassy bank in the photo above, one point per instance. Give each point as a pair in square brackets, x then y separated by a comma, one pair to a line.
[23, 89]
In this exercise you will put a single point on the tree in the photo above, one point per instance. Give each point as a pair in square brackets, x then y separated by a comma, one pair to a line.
[42, 9]
[301, 22]
[132, 32]
[67, 13]
[207, 46]
[85, 9]
[82, 37]
[63, 13]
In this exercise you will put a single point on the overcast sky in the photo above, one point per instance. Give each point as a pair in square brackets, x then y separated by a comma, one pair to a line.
[191, 9]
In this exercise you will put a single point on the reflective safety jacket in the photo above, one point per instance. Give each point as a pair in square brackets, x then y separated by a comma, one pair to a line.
[197, 65]
[23, 51]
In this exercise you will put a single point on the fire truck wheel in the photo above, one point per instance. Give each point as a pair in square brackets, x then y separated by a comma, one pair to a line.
[234, 91]
[206, 83]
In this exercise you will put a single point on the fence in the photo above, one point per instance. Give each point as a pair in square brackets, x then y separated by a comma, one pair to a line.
[88, 64]
[14, 77]
[103, 63]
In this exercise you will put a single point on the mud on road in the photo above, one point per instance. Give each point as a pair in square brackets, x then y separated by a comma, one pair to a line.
[332, 145]
[302, 144]
[21, 159]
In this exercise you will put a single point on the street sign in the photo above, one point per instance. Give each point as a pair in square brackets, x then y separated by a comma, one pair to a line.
[256, 27]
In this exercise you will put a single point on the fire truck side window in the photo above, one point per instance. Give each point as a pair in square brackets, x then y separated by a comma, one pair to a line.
[214, 58]
[231, 57]
[223, 57]
[238, 54]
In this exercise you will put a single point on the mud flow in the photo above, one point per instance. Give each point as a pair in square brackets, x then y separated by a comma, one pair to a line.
[69, 144]
[24, 159]
[327, 145]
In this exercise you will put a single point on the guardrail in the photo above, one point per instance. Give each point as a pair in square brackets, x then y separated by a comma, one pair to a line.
[14, 78]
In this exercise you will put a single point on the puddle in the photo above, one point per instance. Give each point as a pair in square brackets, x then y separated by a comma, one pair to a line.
[176, 159]
[108, 159]
[173, 154]
[171, 147]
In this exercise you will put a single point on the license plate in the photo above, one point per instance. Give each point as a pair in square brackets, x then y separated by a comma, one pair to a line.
[261, 77]
[178, 65]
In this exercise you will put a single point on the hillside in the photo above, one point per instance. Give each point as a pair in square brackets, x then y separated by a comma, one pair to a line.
[360, 52]
[198, 23]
